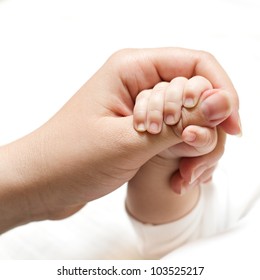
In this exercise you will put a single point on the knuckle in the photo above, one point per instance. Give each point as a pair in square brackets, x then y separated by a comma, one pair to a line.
[144, 94]
[122, 53]
[122, 58]
[161, 86]
[179, 80]
[205, 55]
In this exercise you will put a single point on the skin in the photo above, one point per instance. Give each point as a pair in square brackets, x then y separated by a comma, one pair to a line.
[149, 196]
[90, 148]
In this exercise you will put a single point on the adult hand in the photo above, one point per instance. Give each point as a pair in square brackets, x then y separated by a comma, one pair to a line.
[90, 148]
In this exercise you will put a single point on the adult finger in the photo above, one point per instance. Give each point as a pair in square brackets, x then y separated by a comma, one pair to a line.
[140, 69]
[180, 186]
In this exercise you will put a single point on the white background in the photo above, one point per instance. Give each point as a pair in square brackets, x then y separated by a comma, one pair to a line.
[48, 49]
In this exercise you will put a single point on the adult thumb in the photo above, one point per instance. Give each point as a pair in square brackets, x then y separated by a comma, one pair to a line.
[142, 146]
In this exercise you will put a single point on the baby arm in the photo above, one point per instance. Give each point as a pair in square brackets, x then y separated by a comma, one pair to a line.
[165, 219]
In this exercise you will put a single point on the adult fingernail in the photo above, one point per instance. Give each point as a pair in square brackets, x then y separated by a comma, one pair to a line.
[180, 187]
[183, 191]
[197, 173]
[213, 109]
[240, 134]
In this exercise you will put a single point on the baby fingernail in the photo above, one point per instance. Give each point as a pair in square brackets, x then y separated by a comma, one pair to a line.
[170, 119]
[154, 128]
[189, 102]
[141, 127]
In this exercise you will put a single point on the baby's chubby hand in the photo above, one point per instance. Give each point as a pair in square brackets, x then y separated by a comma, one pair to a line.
[167, 104]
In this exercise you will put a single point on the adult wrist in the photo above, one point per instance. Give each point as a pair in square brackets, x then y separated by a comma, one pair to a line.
[18, 200]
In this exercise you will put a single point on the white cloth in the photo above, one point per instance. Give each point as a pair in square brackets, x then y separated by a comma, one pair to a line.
[232, 255]
[213, 214]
